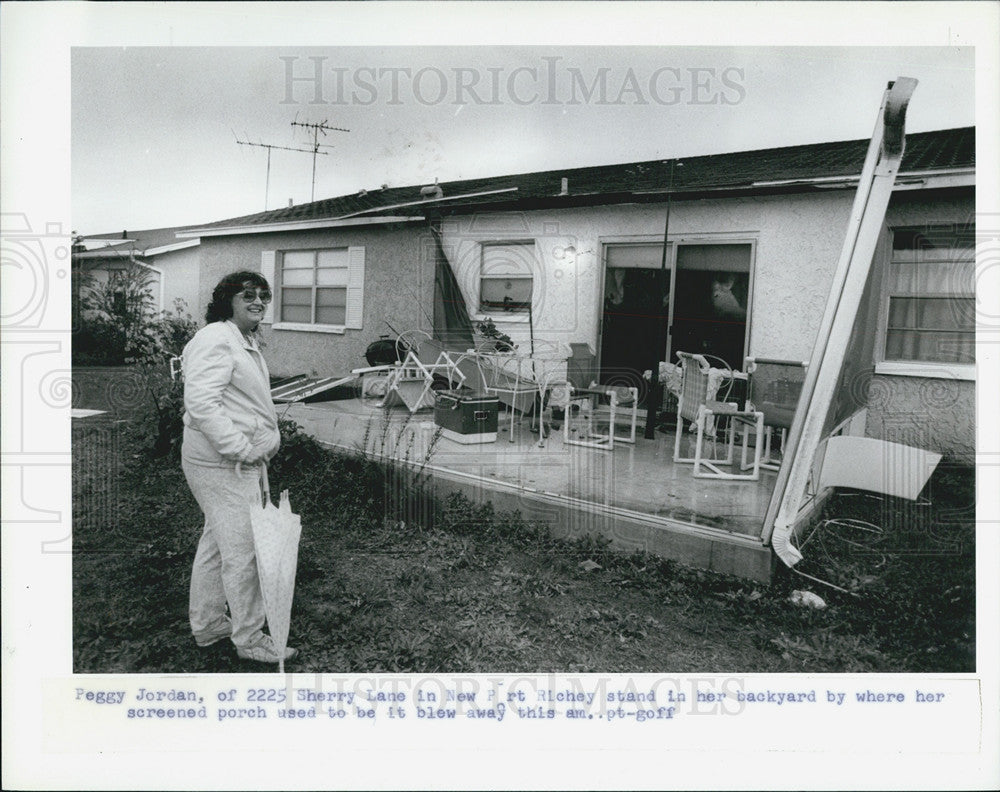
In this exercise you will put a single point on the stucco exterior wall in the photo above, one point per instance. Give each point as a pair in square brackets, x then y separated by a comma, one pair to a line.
[797, 241]
[936, 414]
[180, 279]
[399, 284]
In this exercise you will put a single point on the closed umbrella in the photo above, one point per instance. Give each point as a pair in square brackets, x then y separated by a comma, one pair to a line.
[276, 533]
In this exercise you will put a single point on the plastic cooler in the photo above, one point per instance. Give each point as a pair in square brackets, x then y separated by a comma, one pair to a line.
[466, 416]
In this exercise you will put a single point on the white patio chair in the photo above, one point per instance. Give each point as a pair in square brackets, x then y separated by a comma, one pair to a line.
[520, 380]
[586, 411]
[697, 404]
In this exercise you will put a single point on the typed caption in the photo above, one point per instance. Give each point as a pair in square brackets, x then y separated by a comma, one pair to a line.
[497, 701]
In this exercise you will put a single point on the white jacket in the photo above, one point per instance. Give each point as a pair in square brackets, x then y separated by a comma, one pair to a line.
[227, 398]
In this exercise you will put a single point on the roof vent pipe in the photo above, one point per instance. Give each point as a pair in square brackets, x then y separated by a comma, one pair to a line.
[564, 187]
[432, 191]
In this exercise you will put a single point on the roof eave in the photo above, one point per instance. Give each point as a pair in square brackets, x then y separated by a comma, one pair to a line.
[907, 180]
[104, 253]
[156, 251]
[298, 225]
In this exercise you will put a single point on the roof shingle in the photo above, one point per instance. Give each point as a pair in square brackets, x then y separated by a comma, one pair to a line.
[941, 149]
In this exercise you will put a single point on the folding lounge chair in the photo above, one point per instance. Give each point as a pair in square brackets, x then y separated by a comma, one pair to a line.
[697, 404]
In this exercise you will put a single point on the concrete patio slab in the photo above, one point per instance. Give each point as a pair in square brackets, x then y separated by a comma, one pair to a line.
[634, 495]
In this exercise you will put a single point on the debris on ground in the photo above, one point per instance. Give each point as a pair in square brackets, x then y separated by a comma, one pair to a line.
[807, 599]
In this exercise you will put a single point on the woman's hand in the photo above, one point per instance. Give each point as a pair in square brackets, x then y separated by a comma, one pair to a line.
[254, 456]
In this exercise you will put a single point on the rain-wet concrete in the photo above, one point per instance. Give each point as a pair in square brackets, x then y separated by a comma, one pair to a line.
[641, 478]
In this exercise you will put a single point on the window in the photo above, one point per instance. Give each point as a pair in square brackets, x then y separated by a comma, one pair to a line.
[313, 287]
[506, 276]
[929, 292]
[316, 290]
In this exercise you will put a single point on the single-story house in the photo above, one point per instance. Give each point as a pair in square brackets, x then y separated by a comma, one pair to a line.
[173, 264]
[575, 256]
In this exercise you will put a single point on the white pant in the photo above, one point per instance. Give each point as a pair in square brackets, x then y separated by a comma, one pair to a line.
[225, 566]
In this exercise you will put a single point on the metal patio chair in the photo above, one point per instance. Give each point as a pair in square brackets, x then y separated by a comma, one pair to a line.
[773, 388]
[521, 380]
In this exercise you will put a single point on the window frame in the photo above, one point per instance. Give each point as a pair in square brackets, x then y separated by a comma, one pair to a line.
[497, 313]
[916, 256]
[272, 267]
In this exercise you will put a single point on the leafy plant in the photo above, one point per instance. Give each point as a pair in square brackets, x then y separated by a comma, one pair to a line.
[166, 337]
[116, 322]
[116, 316]
[487, 329]
[172, 330]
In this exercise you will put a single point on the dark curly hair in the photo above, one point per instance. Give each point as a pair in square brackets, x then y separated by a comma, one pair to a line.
[221, 307]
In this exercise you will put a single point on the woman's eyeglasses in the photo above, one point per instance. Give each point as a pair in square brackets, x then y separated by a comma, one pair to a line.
[249, 295]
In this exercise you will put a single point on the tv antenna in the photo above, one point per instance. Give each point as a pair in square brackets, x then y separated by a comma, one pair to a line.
[317, 129]
[269, 147]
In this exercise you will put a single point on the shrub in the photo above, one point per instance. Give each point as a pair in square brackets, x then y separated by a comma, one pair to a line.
[166, 423]
[116, 324]
[118, 330]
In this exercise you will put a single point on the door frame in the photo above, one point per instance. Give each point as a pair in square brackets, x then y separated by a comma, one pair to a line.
[702, 239]
[674, 242]
[605, 243]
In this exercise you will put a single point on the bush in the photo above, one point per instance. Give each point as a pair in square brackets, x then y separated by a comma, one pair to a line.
[163, 429]
[116, 326]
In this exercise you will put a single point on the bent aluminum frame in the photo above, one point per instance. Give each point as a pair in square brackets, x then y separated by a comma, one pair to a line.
[885, 153]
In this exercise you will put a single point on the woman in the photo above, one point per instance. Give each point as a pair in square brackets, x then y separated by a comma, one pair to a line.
[230, 429]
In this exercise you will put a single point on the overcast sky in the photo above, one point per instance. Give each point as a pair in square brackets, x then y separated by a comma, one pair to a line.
[155, 129]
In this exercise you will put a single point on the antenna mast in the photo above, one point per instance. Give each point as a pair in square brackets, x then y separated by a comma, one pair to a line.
[317, 129]
[269, 146]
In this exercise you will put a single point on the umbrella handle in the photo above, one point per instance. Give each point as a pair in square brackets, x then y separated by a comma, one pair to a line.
[265, 485]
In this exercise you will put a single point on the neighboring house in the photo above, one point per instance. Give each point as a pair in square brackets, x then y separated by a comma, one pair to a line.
[173, 263]
[573, 256]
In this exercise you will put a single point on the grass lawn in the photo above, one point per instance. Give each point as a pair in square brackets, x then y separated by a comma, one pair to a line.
[471, 591]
